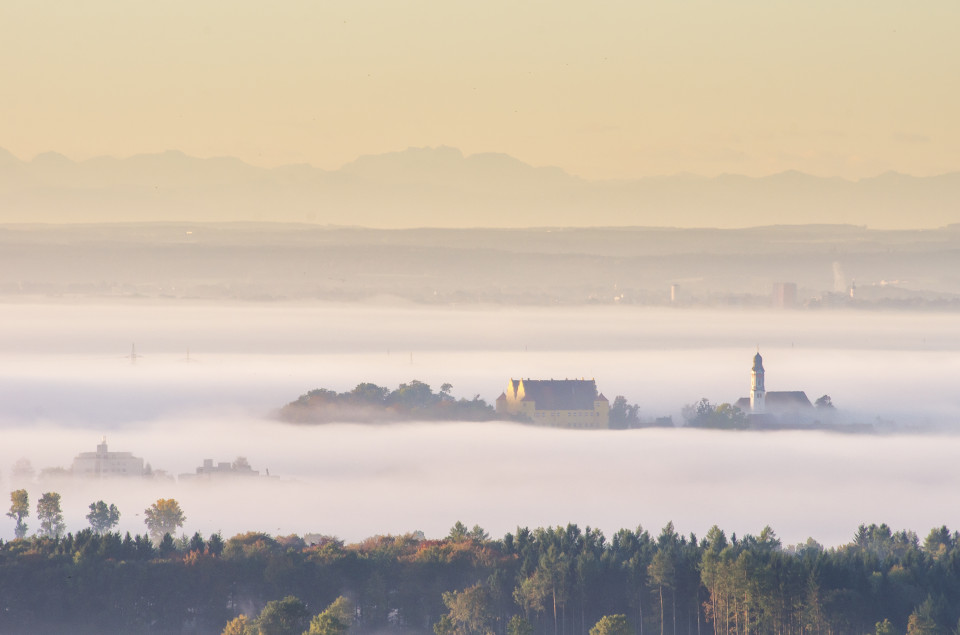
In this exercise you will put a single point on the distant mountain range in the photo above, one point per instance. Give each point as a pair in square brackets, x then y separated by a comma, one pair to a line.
[440, 187]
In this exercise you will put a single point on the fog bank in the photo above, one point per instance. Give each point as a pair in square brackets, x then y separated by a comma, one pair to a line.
[66, 378]
[354, 481]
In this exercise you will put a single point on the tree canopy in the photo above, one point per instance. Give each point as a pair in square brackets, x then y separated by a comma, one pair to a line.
[103, 518]
[371, 403]
[539, 581]
[50, 516]
[19, 509]
[163, 517]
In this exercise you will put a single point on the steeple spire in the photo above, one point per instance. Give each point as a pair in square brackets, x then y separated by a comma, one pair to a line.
[757, 391]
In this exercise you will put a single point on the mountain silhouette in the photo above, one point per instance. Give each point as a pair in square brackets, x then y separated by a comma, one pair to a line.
[441, 187]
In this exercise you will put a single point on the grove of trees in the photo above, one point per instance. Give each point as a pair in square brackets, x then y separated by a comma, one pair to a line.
[372, 403]
[546, 581]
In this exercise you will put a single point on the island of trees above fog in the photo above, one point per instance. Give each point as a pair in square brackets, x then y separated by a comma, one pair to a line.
[544, 581]
[566, 403]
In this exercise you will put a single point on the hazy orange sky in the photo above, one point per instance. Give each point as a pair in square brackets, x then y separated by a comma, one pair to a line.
[603, 89]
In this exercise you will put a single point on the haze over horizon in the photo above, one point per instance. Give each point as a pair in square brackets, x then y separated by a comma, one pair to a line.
[608, 91]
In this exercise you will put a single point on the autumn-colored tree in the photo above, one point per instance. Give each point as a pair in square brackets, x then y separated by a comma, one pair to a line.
[336, 619]
[240, 625]
[19, 509]
[163, 517]
[921, 621]
[612, 625]
[470, 612]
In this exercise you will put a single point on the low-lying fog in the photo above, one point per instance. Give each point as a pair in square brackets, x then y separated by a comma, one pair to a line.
[65, 381]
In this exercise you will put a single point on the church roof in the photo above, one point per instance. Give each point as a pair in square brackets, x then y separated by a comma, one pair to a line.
[561, 394]
[788, 399]
[779, 401]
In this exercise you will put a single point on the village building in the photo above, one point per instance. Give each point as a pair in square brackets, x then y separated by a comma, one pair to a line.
[559, 403]
[783, 406]
[209, 469]
[104, 463]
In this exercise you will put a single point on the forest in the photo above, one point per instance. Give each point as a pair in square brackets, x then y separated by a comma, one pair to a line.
[544, 581]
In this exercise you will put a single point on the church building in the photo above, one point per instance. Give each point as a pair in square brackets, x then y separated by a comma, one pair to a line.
[787, 406]
[559, 403]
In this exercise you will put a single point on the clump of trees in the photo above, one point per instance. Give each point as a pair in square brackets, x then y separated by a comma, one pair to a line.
[543, 581]
[372, 403]
[623, 414]
[704, 414]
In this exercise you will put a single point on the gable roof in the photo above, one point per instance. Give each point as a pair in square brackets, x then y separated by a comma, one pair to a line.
[561, 394]
[787, 399]
[779, 401]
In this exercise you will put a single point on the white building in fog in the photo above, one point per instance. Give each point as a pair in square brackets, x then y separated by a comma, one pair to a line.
[104, 463]
[787, 406]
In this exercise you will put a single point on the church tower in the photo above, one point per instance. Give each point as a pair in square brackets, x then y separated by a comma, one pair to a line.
[757, 391]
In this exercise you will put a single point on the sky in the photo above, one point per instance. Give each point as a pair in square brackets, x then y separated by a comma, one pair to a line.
[604, 90]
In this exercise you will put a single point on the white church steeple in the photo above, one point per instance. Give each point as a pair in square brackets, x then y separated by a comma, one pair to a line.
[757, 391]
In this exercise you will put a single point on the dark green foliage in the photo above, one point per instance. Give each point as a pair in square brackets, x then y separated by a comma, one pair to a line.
[288, 616]
[103, 518]
[372, 403]
[531, 582]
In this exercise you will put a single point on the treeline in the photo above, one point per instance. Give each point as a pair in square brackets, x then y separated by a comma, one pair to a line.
[372, 403]
[545, 581]
[416, 401]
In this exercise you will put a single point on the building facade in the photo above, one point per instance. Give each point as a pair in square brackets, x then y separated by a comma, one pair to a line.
[209, 469]
[559, 403]
[104, 463]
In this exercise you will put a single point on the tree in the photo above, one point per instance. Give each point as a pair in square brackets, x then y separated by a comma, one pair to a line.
[824, 403]
[50, 516]
[612, 625]
[19, 509]
[519, 625]
[663, 570]
[103, 518]
[939, 541]
[704, 414]
[240, 625]
[885, 628]
[921, 621]
[336, 619]
[458, 532]
[622, 414]
[470, 612]
[163, 517]
[215, 544]
[288, 616]
[22, 471]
